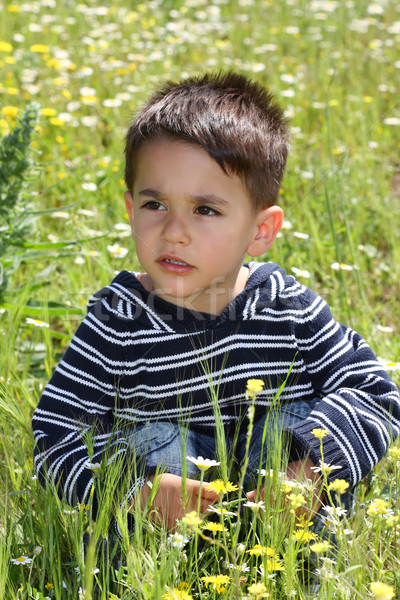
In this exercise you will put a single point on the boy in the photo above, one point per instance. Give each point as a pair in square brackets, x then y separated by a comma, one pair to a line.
[204, 162]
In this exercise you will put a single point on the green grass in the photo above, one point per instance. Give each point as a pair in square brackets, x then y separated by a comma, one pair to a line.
[335, 66]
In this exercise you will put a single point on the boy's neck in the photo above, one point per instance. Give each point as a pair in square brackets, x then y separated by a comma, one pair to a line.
[213, 302]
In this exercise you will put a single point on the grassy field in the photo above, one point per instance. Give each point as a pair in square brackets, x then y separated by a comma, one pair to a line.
[336, 68]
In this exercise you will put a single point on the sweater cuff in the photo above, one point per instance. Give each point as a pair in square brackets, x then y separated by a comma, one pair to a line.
[304, 444]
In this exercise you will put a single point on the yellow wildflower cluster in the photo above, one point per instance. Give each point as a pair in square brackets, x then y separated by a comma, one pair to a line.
[216, 582]
[258, 590]
[379, 507]
[339, 486]
[220, 487]
[254, 387]
[192, 519]
[214, 527]
[381, 591]
[259, 550]
[319, 433]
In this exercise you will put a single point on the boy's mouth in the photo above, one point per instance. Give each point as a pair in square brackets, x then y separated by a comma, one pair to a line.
[174, 265]
[175, 262]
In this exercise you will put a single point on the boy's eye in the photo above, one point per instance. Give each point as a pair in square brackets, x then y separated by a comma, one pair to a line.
[153, 205]
[206, 211]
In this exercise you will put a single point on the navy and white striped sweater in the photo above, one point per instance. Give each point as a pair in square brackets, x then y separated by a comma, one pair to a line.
[136, 358]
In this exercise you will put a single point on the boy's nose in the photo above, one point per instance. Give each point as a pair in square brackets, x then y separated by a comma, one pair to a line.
[175, 229]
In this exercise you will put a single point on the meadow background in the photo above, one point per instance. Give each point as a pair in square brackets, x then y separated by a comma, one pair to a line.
[87, 68]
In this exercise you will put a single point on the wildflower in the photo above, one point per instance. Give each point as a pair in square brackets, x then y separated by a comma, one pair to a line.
[301, 272]
[339, 486]
[36, 322]
[254, 387]
[192, 519]
[214, 527]
[300, 235]
[379, 508]
[381, 591]
[258, 590]
[243, 568]
[203, 463]
[255, 506]
[274, 564]
[49, 586]
[177, 540]
[392, 520]
[178, 594]
[39, 48]
[304, 535]
[325, 468]
[21, 560]
[394, 453]
[89, 187]
[259, 550]
[335, 512]
[320, 547]
[341, 267]
[392, 121]
[220, 487]
[117, 251]
[319, 433]
[296, 500]
[220, 511]
[5, 47]
[9, 111]
[95, 467]
[48, 112]
[217, 582]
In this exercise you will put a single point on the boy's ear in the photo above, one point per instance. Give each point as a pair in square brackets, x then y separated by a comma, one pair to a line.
[268, 222]
[129, 206]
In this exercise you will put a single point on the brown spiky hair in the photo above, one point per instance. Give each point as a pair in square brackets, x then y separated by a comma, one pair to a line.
[234, 119]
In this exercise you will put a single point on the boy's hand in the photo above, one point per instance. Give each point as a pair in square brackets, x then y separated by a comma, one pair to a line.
[299, 470]
[168, 506]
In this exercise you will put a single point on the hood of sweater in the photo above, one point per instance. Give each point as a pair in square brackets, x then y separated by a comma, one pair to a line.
[129, 300]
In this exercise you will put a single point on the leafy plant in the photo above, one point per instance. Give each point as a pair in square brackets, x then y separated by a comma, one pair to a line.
[17, 169]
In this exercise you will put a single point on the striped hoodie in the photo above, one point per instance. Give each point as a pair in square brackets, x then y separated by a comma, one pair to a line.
[137, 358]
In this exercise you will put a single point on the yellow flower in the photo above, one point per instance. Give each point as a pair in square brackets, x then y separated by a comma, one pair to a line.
[304, 535]
[48, 112]
[320, 433]
[274, 564]
[296, 500]
[339, 486]
[258, 590]
[9, 111]
[177, 594]
[220, 487]
[394, 453]
[319, 547]
[5, 47]
[214, 527]
[49, 586]
[39, 48]
[192, 519]
[379, 507]
[392, 521]
[217, 582]
[381, 591]
[254, 387]
[259, 550]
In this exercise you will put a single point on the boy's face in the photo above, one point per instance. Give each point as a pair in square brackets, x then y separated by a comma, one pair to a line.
[193, 225]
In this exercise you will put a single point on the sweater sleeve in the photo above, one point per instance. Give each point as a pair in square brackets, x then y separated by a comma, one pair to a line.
[73, 424]
[359, 406]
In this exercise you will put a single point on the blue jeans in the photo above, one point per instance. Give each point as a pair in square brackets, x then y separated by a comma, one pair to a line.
[163, 446]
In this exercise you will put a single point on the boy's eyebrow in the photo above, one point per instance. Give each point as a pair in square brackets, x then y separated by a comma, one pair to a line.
[202, 198]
